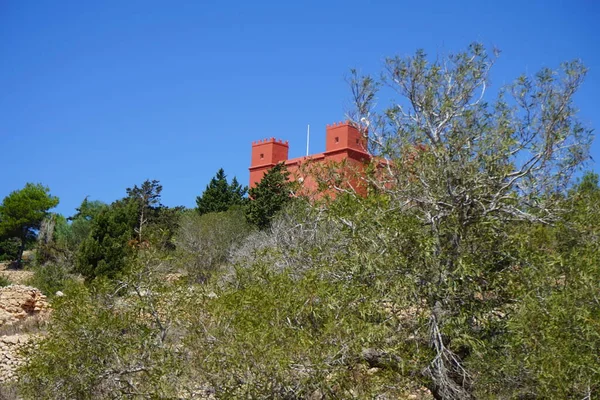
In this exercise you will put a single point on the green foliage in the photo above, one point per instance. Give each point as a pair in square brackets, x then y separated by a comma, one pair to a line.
[80, 223]
[156, 223]
[269, 196]
[117, 231]
[311, 310]
[277, 336]
[50, 278]
[205, 241]
[553, 346]
[47, 248]
[4, 281]
[106, 249]
[220, 195]
[22, 212]
[108, 340]
[62, 230]
[469, 171]
[9, 249]
[58, 240]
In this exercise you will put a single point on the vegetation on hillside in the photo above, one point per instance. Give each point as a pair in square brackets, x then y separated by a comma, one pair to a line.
[269, 196]
[470, 271]
[21, 214]
[220, 195]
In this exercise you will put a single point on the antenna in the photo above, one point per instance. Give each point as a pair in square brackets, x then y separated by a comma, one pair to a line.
[307, 138]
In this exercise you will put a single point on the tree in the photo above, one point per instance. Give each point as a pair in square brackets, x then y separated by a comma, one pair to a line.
[9, 248]
[22, 212]
[105, 250]
[219, 195]
[269, 196]
[119, 230]
[59, 240]
[157, 223]
[468, 169]
[552, 343]
[46, 248]
[81, 222]
[148, 197]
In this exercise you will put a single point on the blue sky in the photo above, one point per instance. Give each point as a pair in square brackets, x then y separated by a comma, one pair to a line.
[98, 96]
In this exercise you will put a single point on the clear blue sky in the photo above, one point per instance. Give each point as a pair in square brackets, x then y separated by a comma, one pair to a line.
[96, 96]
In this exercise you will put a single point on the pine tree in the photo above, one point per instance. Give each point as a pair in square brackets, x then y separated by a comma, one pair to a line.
[117, 231]
[148, 198]
[22, 212]
[105, 250]
[219, 195]
[269, 196]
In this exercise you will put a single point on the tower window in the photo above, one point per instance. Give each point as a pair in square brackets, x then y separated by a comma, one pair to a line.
[337, 139]
[262, 156]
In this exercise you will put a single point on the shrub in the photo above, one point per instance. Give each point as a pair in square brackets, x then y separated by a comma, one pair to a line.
[205, 241]
[4, 281]
[50, 278]
[107, 340]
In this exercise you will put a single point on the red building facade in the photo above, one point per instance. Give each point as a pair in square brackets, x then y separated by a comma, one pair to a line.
[340, 166]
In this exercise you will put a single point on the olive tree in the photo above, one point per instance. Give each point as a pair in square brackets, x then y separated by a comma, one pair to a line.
[467, 165]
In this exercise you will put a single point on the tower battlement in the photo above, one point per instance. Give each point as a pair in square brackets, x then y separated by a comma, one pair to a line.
[270, 140]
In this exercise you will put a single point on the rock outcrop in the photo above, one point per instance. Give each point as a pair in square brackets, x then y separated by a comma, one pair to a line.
[21, 308]
[18, 302]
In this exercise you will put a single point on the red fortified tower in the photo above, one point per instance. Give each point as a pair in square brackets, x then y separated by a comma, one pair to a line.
[345, 148]
[265, 155]
[343, 141]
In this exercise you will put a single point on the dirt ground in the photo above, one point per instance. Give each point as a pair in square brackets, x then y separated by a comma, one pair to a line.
[16, 276]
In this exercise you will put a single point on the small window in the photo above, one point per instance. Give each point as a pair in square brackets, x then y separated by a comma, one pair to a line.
[337, 139]
[356, 141]
[262, 156]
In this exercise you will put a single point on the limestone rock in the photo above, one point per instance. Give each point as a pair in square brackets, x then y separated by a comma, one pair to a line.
[18, 302]
[10, 355]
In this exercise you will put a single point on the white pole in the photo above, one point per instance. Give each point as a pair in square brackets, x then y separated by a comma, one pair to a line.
[307, 139]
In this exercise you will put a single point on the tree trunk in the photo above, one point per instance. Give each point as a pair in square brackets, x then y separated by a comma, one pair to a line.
[19, 261]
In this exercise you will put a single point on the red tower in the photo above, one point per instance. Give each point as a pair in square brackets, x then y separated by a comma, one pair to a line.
[265, 155]
[345, 149]
[343, 138]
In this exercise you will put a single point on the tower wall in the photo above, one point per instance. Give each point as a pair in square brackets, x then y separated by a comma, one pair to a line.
[343, 136]
[341, 165]
[265, 155]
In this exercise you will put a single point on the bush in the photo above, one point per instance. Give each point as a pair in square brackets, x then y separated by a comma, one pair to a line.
[106, 340]
[4, 281]
[104, 252]
[299, 238]
[50, 278]
[205, 241]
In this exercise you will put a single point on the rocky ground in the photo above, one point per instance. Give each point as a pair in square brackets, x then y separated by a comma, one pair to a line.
[16, 275]
[23, 310]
